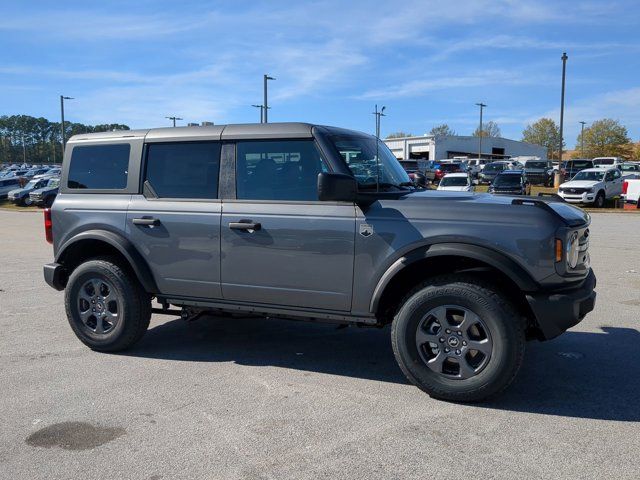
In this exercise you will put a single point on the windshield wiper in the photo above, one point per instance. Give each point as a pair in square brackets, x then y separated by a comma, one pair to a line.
[383, 185]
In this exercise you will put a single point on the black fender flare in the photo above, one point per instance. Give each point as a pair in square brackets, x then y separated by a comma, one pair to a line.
[499, 261]
[120, 243]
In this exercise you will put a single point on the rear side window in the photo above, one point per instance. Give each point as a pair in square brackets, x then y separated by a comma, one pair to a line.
[183, 170]
[278, 170]
[100, 167]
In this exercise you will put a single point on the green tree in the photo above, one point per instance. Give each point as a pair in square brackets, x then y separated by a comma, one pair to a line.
[606, 138]
[398, 135]
[442, 130]
[489, 129]
[546, 133]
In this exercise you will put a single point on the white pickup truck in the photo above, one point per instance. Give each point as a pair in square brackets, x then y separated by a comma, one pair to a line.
[593, 185]
[631, 191]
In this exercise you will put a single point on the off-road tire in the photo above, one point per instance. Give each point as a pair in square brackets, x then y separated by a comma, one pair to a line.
[505, 325]
[135, 313]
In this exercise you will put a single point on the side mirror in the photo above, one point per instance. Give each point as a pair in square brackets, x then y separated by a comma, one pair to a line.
[336, 187]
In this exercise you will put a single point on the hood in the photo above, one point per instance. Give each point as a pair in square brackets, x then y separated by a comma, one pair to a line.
[18, 191]
[453, 189]
[579, 184]
[433, 205]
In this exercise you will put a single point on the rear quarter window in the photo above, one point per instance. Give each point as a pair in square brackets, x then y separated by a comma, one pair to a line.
[99, 167]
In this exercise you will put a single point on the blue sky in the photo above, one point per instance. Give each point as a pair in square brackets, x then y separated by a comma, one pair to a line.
[428, 62]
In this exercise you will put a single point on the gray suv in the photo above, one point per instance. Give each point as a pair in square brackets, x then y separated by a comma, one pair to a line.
[312, 222]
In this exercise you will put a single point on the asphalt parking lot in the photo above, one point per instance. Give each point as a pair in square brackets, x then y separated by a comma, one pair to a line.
[246, 398]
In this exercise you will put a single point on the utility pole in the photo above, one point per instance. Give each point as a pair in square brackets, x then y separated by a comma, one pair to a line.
[564, 71]
[582, 139]
[174, 119]
[261, 107]
[480, 132]
[265, 104]
[378, 114]
[62, 99]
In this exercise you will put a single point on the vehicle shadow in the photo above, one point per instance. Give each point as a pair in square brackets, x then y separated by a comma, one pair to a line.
[579, 374]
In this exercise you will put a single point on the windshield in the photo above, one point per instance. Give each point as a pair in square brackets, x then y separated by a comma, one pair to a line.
[359, 153]
[54, 182]
[32, 184]
[536, 165]
[630, 168]
[493, 167]
[507, 180]
[578, 164]
[454, 182]
[591, 176]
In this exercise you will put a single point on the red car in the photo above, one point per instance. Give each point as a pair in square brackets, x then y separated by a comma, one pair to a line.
[446, 168]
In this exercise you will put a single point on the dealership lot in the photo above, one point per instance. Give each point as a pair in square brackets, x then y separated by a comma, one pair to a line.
[251, 398]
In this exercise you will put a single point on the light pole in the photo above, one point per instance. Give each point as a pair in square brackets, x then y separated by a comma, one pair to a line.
[24, 152]
[480, 132]
[174, 119]
[261, 107]
[62, 99]
[266, 104]
[564, 71]
[582, 139]
[378, 114]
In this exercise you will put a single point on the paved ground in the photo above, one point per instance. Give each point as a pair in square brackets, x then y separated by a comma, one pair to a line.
[233, 398]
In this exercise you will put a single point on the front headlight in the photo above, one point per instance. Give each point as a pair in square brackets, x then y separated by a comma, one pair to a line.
[590, 190]
[573, 250]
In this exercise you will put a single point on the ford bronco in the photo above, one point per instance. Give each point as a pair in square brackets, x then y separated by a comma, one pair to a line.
[312, 222]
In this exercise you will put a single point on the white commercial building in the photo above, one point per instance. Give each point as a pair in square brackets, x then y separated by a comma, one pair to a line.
[432, 147]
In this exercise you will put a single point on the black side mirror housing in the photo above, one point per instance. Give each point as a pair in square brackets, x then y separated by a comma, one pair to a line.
[336, 187]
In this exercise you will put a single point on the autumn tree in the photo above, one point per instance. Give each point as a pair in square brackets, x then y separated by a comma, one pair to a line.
[546, 133]
[442, 130]
[489, 129]
[605, 138]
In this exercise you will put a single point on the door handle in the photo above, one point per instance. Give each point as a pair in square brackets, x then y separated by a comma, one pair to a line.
[245, 225]
[146, 221]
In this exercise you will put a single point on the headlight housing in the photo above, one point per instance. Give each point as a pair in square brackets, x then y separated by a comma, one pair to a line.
[573, 250]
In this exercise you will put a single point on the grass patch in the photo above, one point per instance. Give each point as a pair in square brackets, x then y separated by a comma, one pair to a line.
[7, 205]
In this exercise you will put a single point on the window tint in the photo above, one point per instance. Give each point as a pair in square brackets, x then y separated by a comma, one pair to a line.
[183, 170]
[278, 170]
[99, 166]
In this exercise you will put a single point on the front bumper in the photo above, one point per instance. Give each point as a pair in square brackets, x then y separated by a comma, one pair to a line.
[55, 275]
[586, 197]
[556, 311]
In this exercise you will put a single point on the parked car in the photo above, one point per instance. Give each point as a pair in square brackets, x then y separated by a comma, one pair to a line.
[511, 182]
[593, 185]
[444, 169]
[21, 196]
[631, 191]
[456, 182]
[491, 170]
[569, 168]
[539, 172]
[45, 196]
[607, 161]
[32, 172]
[475, 166]
[270, 219]
[8, 184]
[52, 172]
[418, 178]
[630, 169]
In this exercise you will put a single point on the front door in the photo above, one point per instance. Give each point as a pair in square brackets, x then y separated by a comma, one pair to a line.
[175, 223]
[280, 245]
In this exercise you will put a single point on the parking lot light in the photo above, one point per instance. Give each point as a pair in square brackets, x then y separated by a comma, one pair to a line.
[62, 99]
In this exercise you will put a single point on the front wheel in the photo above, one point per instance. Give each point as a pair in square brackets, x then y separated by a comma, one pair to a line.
[26, 201]
[106, 306]
[458, 339]
[599, 201]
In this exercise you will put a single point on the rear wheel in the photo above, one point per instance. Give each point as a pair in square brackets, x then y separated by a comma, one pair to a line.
[458, 339]
[106, 306]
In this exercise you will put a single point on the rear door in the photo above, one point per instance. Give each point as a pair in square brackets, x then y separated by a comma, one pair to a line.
[175, 221]
[280, 244]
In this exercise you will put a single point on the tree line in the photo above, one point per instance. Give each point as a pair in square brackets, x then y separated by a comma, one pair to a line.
[603, 138]
[38, 139]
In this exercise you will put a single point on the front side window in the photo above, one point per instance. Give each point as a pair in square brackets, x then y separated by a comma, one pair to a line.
[371, 162]
[278, 170]
[101, 167]
[183, 170]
